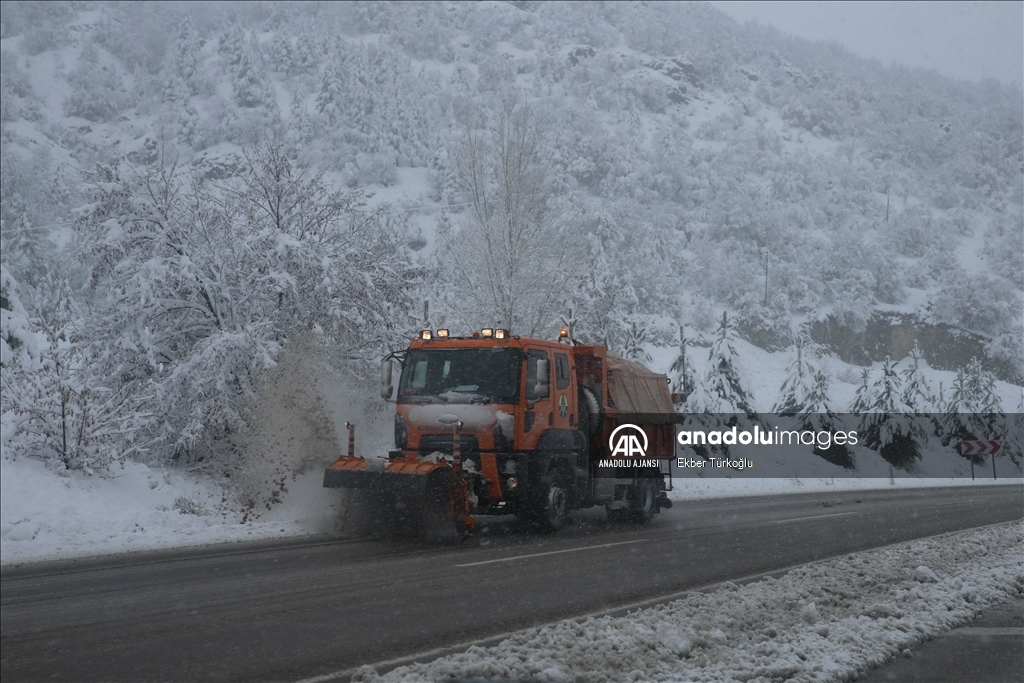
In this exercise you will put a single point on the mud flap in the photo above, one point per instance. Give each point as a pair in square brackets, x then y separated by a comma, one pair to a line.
[445, 514]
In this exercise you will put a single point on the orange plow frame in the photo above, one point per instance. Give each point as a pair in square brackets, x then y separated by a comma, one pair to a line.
[405, 479]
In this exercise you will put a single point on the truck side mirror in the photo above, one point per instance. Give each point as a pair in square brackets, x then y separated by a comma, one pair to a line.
[387, 384]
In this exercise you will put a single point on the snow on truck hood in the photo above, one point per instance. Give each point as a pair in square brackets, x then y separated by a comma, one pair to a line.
[473, 416]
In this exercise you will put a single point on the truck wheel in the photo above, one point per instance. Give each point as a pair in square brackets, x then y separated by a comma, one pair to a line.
[552, 509]
[644, 501]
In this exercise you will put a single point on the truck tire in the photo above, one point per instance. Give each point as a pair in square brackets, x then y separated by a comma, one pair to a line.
[644, 502]
[551, 509]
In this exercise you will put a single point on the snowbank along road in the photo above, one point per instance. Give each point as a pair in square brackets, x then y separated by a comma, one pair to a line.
[297, 610]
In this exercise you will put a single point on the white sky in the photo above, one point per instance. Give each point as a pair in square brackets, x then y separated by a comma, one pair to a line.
[964, 40]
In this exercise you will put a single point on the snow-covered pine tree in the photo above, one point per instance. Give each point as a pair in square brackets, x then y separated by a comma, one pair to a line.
[817, 399]
[33, 198]
[636, 338]
[818, 417]
[301, 127]
[307, 56]
[723, 381]
[701, 400]
[330, 97]
[231, 45]
[27, 250]
[186, 55]
[682, 373]
[889, 427]
[249, 84]
[97, 92]
[862, 398]
[917, 395]
[173, 90]
[804, 393]
[282, 55]
[798, 387]
[973, 411]
[703, 411]
[180, 119]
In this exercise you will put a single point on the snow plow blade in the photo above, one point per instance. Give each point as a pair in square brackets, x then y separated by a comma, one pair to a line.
[397, 478]
[424, 498]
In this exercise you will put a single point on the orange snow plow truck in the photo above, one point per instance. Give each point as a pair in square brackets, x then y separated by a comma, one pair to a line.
[494, 424]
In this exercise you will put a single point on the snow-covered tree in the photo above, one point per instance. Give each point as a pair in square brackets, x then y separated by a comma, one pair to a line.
[513, 259]
[818, 417]
[636, 339]
[203, 285]
[20, 344]
[917, 395]
[682, 373]
[330, 100]
[973, 411]
[59, 411]
[307, 56]
[17, 100]
[723, 382]
[862, 398]
[889, 427]
[97, 92]
[1014, 434]
[231, 45]
[186, 57]
[282, 54]
[301, 126]
[173, 90]
[249, 83]
[799, 386]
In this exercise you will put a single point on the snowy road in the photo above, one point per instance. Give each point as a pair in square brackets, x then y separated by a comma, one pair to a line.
[293, 610]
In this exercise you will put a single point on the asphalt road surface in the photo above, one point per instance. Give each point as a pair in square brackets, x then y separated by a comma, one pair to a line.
[298, 609]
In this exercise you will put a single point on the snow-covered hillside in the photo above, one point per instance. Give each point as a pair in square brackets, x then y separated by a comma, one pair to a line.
[217, 217]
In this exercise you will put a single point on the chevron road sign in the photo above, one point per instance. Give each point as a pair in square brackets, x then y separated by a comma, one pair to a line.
[980, 447]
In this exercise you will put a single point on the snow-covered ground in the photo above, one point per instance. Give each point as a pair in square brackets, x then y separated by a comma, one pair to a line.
[46, 516]
[827, 621]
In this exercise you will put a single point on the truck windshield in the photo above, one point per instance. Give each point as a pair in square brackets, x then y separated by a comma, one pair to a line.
[461, 376]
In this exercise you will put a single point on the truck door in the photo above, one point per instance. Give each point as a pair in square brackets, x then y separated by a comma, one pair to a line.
[539, 414]
[564, 395]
